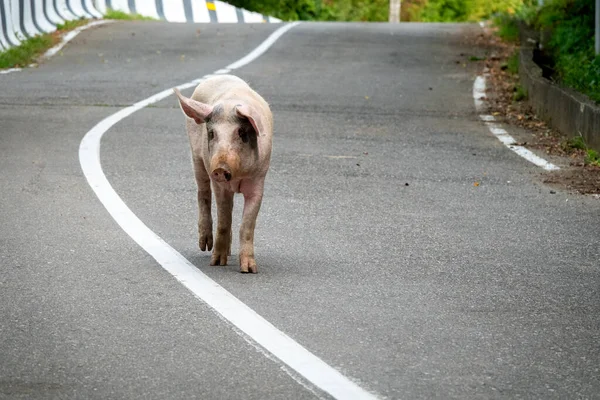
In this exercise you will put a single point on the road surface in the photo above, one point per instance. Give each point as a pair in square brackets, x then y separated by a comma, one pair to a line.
[399, 241]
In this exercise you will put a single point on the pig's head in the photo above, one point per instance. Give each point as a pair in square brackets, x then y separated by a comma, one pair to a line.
[232, 131]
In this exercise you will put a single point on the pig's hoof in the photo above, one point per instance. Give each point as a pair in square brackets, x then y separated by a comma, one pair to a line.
[248, 264]
[205, 242]
[218, 258]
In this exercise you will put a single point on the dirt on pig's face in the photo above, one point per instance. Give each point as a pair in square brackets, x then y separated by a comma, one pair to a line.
[232, 144]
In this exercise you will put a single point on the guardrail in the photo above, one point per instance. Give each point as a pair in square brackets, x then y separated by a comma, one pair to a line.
[23, 19]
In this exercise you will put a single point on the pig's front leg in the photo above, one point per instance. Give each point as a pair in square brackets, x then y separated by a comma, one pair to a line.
[222, 247]
[205, 235]
[253, 192]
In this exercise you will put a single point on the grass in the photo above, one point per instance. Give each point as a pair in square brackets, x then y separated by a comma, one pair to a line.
[26, 52]
[29, 50]
[571, 44]
[512, 64]
[116, 14]
[508, 27]
[591, 156]
[70, 25]
[520, 93]
[576, 142]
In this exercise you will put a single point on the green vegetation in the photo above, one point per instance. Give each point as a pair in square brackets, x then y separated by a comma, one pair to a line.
[570, 24]
[512, 64]
[572, 44]
[29, 50]
[116, 14]
[508, 27]
[377, 10]
[592, 157]
[456, 10]
[26, 53]
[520, 93]
[476, 58]
[575, 142]
[319, 10]
[69, 25]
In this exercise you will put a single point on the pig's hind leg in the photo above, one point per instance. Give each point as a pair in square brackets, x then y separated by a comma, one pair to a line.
[205, 235]
[222, 248]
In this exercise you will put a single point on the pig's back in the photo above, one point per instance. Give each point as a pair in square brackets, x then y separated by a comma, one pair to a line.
[215, 88]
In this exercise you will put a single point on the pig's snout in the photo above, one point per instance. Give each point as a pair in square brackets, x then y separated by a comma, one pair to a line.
[221, 175]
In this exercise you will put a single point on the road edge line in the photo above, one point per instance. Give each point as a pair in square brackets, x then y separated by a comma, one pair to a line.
[70, 36]
[479, 96]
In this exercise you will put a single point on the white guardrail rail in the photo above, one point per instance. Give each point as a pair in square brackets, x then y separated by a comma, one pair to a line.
[23, 19]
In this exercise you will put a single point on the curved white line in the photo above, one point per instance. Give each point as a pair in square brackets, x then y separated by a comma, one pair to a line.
[480, 104]
[245, 320]
[65, 39]
[71, 35]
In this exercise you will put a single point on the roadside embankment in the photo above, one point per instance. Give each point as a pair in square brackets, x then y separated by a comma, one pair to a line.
[564, 109]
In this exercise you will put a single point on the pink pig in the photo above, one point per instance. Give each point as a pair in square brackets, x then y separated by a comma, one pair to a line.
[230, 128]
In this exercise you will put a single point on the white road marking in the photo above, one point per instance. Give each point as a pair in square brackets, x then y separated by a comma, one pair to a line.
[65, 39]
[479, 93]
[70, 36]
[264, 46]
[480, 103]
[245, 320]
[8, 71]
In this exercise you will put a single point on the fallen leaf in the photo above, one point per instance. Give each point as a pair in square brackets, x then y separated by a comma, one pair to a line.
[476, 184]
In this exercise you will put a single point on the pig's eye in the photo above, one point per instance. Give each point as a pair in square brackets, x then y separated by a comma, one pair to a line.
[211, 134]
[243, 135]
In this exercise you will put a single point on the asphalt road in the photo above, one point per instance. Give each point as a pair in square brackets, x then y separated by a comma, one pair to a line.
[376, 251]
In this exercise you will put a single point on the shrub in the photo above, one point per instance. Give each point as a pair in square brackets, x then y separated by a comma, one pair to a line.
[572, 44]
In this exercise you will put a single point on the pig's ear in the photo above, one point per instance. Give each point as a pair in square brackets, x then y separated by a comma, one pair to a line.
[192, 108]
[255, 119]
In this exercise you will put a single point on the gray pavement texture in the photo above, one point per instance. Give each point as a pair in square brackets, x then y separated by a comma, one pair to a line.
[376, 251]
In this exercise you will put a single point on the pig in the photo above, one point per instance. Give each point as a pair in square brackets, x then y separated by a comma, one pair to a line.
[230, 129]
